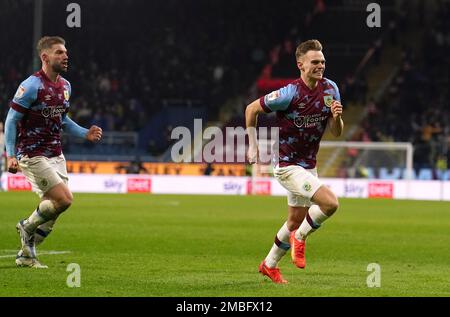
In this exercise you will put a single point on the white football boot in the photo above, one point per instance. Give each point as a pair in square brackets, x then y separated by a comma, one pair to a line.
[27, 255]
[27, 240]
[25, 261]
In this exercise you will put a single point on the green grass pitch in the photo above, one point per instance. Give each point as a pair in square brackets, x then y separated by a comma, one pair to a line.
[172, 245]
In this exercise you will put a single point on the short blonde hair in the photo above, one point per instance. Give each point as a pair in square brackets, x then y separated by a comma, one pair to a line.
[48, 41]
[304, 47]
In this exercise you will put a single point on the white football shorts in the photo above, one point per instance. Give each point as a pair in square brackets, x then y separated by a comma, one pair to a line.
[300, 183]
[44, 173]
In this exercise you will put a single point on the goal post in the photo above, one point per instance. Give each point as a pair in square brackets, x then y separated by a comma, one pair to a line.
[386, 155]
[341, 159]
[356, 159]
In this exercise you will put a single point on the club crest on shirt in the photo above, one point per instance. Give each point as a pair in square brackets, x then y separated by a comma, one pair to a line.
[66, 94]
[20, 91]
[273, 95]
[328, 100]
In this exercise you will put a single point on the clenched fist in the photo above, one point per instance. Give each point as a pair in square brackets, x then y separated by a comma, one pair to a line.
[336, 109]
[94, 134]
[12, 164]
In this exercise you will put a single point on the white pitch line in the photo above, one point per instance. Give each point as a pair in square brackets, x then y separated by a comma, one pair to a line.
[51, 252]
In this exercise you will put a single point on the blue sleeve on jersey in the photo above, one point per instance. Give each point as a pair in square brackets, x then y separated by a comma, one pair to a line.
[73, 129]
[337, 95]
[26, 94]
[280, 99]
[12, 119]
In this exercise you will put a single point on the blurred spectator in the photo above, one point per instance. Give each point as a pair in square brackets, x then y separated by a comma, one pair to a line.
[136, 167]
[208, 169]
[430, 130]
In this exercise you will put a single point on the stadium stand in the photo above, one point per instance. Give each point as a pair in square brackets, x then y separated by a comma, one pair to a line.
[413, 108]
[160, 64]
[192, 55]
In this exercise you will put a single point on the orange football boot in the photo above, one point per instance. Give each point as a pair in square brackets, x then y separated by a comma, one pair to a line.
[274, 274]
[297, 251]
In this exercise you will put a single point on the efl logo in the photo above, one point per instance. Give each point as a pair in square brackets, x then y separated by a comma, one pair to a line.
[139, 185]
[261, 187]
[383, 190]
[18, 183]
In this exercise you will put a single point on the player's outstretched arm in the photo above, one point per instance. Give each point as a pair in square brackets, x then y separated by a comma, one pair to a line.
[12, 119]
[94, 134]
[336, 123]
[251, 117]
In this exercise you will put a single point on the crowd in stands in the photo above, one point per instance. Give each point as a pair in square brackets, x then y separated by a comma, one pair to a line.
[415, 107]
[132, 58]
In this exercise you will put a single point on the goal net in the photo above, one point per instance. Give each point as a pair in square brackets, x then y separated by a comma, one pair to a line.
[374, 160]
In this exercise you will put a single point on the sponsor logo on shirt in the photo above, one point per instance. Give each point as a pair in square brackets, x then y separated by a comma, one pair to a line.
[309, 121]
[53, 111]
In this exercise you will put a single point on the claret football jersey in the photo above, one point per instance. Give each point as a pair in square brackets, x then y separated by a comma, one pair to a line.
[302, 115]
[43, 104]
